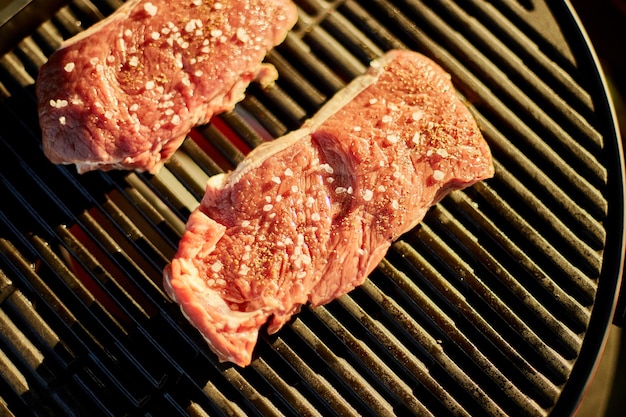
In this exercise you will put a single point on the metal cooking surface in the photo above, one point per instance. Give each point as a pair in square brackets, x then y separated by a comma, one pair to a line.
[497, 304]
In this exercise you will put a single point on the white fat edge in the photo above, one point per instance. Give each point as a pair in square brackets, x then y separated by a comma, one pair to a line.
[266, 75]
[260, 154]
[266, 150]
[122, 13]
[348, 93]
[217, 181]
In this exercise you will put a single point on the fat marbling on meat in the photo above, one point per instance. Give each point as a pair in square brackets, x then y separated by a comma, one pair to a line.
[125, 93]
[306, 218]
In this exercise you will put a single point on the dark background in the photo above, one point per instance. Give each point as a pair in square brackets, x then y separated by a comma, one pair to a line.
[605, 23]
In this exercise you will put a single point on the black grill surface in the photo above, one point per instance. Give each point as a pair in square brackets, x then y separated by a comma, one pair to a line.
[497, 304]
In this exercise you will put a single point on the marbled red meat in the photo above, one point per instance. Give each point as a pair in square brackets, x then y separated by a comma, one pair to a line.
[125, 93]
[306, 218]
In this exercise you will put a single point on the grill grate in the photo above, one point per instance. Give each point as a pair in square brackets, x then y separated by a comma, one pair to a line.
[497, 304]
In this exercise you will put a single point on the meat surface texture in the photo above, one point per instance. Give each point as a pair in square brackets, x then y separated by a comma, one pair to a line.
[125, 93]
[307, 217]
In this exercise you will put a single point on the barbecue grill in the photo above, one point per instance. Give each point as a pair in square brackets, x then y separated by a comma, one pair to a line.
[497, 304]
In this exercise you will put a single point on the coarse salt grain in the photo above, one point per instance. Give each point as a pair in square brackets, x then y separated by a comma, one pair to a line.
[242, 35]
[276, 180]
[373, 100]
[368, 195]
[294, 188]
[442, 153]
[245, 223]
[357, 128]
[62, 120]
[288, 172]
[176, 119]
[217, 266]
[438, 175]
[316, 217]
[268, 207]
[393, 138]
[155, 35]
[217, 6]
[395, 205]
[387, 119]
[150, 8]
[69, 67]
[150, 85]
[416, 138]
[192, 25]
[58, 104]
[416, 116]
[327, 168]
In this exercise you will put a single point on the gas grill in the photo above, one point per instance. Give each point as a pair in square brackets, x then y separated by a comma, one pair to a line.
[498, 303]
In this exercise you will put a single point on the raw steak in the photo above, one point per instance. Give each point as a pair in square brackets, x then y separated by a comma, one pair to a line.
[305, 218]
[125, 93]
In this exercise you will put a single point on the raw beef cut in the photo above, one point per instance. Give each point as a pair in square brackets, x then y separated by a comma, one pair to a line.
[126, 92]
[306, 217]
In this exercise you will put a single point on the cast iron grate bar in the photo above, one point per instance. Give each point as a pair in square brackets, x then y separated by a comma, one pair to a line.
[481, 310]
